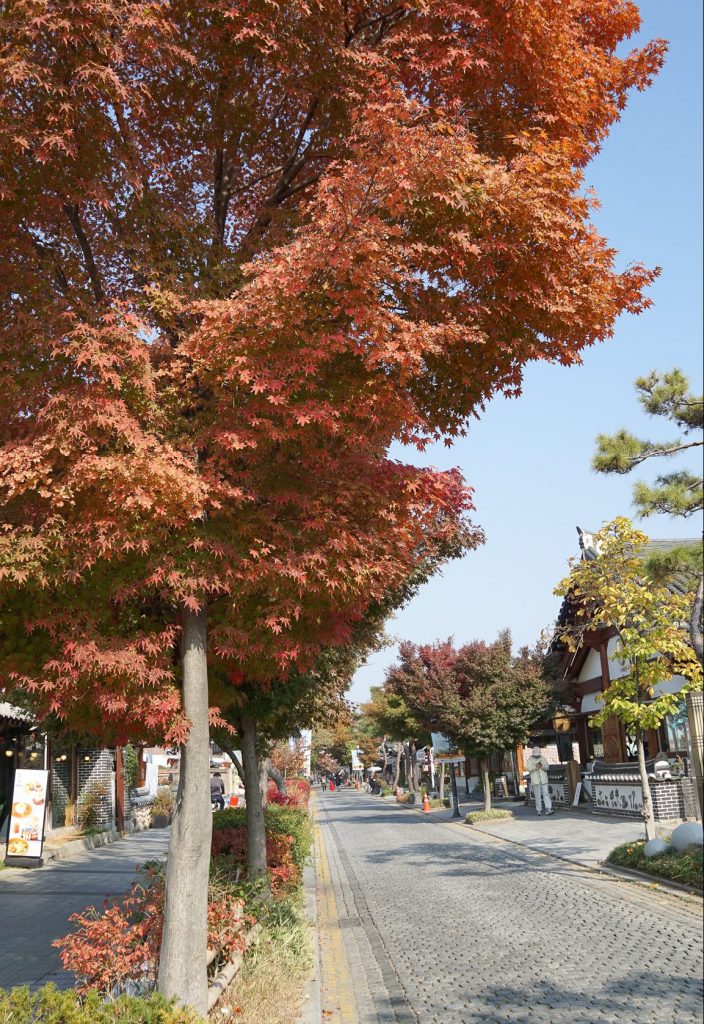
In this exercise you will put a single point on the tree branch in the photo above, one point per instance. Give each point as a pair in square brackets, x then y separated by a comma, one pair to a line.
[45, 252]
[71, 211]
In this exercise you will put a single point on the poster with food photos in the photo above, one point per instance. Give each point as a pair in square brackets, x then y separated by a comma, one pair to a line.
[26, 834]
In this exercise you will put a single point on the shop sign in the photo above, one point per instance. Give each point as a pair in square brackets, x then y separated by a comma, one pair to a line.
[25, 837]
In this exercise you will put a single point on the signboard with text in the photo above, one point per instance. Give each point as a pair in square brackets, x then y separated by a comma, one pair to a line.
[27, 818]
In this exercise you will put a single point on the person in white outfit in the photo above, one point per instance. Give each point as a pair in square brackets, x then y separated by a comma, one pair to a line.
[537, 765]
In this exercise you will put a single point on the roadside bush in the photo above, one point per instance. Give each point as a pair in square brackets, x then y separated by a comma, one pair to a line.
[51, 1006]
[279, 820]
[116, 950]
[474, 817]
[686, 868]
[291, 821]
[285, 873]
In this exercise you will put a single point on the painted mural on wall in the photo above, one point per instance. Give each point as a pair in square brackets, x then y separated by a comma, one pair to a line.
[626, 798]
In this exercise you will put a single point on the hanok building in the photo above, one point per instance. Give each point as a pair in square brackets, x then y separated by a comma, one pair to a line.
[76, 773]
[609, 753]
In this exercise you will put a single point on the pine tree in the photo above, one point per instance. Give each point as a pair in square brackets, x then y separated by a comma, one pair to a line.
[678, 493]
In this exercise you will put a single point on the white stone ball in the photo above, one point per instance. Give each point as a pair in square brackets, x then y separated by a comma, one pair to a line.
[688, 834]
[654, 847]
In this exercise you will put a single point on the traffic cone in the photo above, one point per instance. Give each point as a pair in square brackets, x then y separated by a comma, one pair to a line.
[426, 804]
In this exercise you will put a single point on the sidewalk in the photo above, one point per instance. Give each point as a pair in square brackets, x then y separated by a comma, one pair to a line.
[576, 836]
[35, 904]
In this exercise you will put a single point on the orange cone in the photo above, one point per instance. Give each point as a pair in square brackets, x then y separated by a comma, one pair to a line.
[426, 804]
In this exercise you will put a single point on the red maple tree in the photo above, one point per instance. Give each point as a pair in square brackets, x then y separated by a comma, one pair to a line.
[248, 246]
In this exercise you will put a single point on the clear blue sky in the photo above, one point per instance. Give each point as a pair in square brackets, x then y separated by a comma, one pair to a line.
[529, 458]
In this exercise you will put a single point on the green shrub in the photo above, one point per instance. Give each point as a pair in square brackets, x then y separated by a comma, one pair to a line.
[288, 821]
[474, 817]
[51, 1006]
[686, 868]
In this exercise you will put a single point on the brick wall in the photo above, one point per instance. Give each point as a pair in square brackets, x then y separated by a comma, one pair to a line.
[668, 799]
[60, 784]
[96, 768]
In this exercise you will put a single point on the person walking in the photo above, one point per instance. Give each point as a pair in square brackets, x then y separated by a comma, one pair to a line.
[217, 791]
[537, 766]
[323, 783]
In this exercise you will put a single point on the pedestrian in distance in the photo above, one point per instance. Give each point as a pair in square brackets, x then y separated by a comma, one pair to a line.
[537, 766]
[217, 791]
[323, 783]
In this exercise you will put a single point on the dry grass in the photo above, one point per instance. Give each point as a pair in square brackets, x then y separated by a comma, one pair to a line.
[269, 987]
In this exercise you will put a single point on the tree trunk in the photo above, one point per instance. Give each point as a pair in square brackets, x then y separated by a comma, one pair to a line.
[407, 766]
[385, 755]
[648, 815]
[182, 968]
[256, 828]
[695, 622]
[264, 780]
[397, 774]
[486, 784]
[414, 766]
[275, 774]
[233, 757]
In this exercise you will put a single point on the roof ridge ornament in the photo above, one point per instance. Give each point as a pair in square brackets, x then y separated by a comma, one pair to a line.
[590, 547]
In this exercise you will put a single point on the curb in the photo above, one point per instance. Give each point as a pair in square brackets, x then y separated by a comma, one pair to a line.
[68, 850]
[676, 888]
[310, 1010]
[624, 874]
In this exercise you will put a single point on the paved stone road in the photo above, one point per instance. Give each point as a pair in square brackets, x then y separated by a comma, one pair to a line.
[35, 905]
[439, 924]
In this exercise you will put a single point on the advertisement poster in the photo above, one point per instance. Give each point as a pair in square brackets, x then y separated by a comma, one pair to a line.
[26, 834]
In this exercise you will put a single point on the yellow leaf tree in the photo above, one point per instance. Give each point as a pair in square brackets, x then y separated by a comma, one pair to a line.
[651, 620]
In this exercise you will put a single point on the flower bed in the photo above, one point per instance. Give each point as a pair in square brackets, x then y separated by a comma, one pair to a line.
[685, 868]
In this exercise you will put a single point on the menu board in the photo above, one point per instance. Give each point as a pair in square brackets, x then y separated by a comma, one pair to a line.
[26, 834]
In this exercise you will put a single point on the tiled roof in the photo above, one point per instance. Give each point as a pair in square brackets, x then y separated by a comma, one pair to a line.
[9, 711]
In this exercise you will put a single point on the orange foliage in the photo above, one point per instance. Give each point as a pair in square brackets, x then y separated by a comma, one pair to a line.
[247, 247]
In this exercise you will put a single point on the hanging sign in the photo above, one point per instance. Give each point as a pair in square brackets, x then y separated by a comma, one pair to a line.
[25, 837]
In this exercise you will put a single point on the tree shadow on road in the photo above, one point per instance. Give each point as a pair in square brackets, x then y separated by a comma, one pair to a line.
[648, 995]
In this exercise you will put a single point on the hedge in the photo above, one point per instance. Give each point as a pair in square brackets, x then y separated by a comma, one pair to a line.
[50, 1005]
[288, 821]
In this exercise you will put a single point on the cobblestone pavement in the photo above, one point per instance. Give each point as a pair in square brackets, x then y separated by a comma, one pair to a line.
[422, 922]
[35, 905]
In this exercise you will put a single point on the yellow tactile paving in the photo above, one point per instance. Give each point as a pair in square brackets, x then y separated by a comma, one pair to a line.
[337, 1000]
